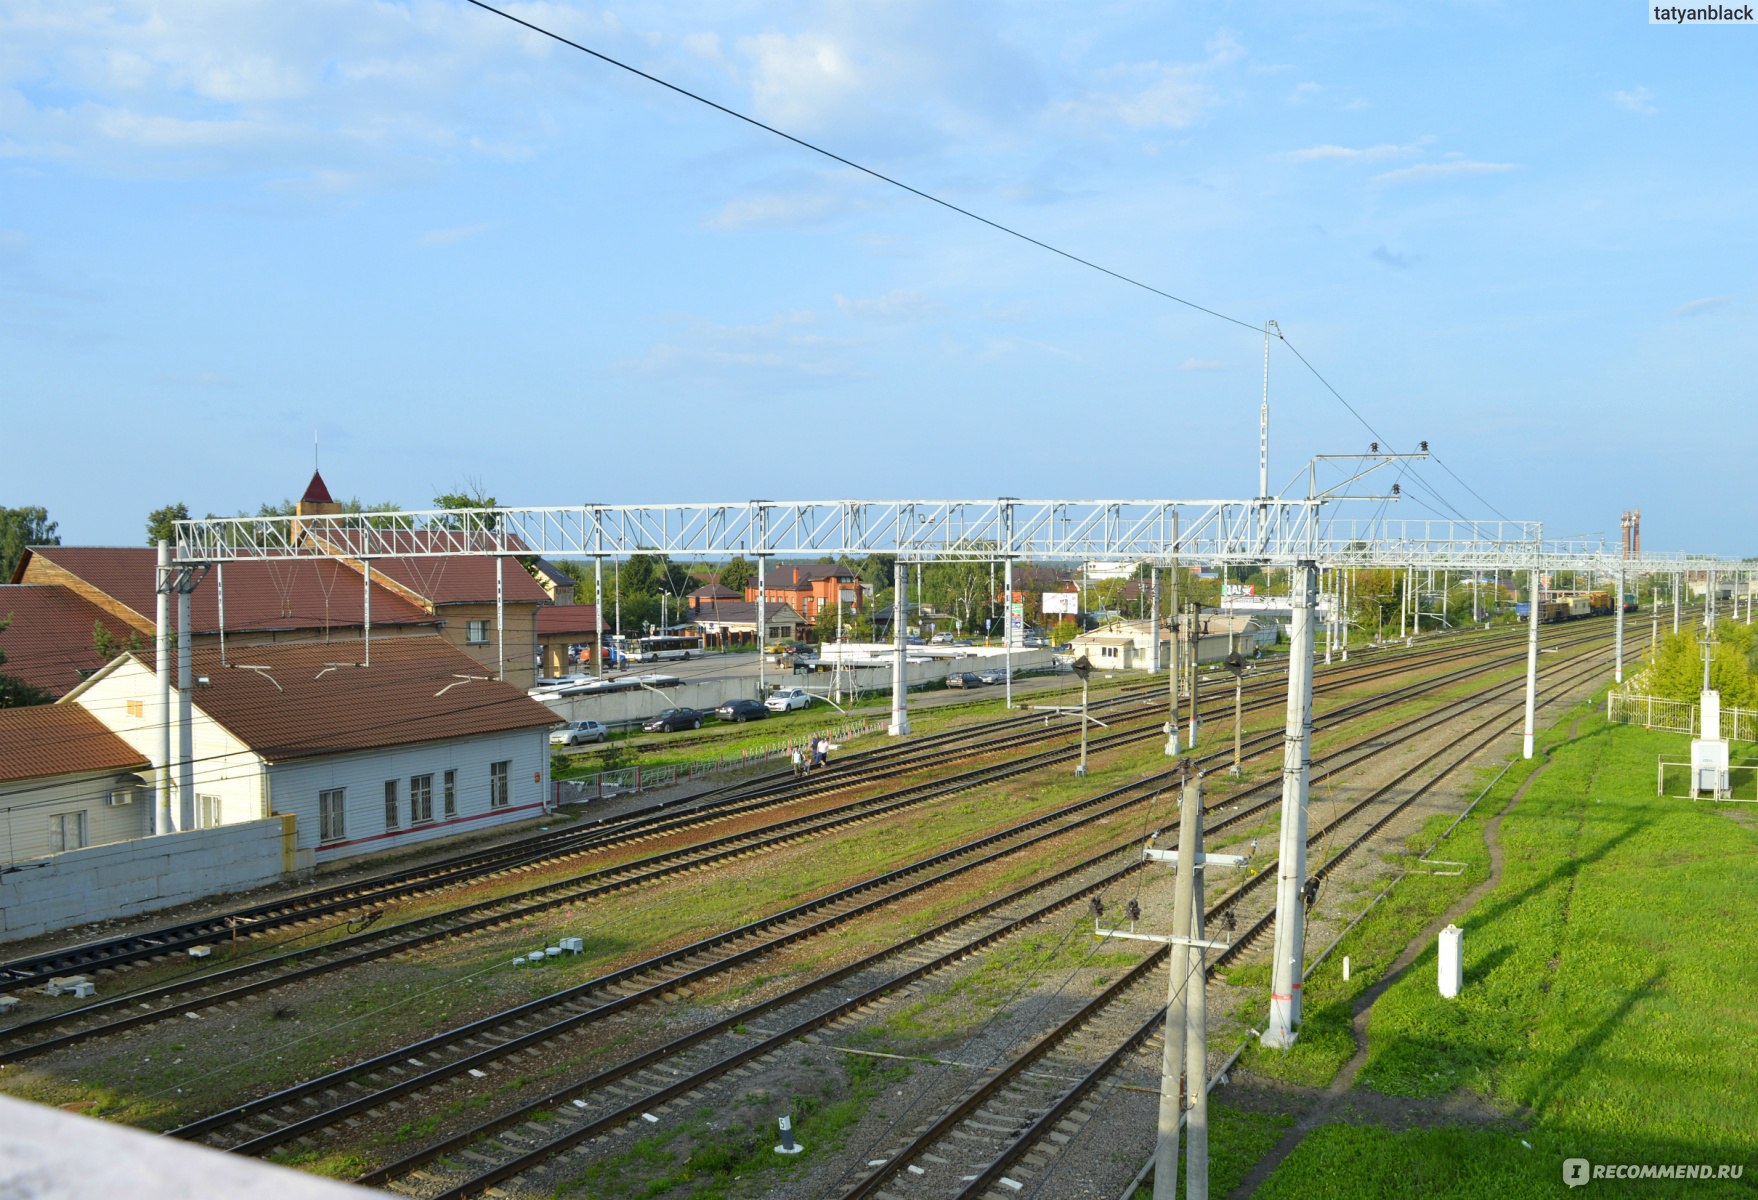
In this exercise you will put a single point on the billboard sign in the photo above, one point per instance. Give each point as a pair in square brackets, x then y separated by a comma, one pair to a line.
[1065, 603]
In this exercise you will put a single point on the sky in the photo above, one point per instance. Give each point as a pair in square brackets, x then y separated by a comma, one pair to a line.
[459, 256]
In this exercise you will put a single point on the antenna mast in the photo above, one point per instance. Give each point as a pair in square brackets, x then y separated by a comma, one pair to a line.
[1263, 419]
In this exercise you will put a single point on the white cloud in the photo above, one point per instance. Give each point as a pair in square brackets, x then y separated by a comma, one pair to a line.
[1304, 92]
[1696, 308]
[900, 304]
[1636, 100]
[1158, 95]
[1459, 166]
[797, 78]
[1353, 154]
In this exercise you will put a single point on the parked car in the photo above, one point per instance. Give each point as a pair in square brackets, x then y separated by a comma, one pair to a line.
[576, 733]
[963, 679]
[788, 699]
[740, 711]
[674, 719]
[963, 642]
[942, 639]
[993, 675]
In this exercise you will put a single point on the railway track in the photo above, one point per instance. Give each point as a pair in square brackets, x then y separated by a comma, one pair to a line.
[232, 984]
[632, 1070]
[366, 896]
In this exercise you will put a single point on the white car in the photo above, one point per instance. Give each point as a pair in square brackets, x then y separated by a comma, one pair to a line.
[993, 675]
[575, 733]
[788, 699]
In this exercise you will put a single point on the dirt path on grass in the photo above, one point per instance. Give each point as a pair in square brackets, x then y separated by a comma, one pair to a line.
[1337, 1099]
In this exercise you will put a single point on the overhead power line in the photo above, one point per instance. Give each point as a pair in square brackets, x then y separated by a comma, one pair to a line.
[951, 207]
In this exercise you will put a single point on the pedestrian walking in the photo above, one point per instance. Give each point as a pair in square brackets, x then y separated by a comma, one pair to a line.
[799, 763]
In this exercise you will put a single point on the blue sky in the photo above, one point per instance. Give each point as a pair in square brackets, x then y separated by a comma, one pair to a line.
[460, 253]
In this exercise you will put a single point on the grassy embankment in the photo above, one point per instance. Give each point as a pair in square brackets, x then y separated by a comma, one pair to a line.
[1610, 1004]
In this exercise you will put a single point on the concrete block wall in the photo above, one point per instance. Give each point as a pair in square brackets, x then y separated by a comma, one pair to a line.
[122, 879]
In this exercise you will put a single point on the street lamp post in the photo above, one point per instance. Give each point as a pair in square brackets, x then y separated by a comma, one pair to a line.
[1083, 668]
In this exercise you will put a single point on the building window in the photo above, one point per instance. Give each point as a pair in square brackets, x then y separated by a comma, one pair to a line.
[137, 708]
[498, 796]
[332, 810]
[476, 633]
[66, 831]
[207, 810]
[420, 799]
[390, 804]
[451, 794]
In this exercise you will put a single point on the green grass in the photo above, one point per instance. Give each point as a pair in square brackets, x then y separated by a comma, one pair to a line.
[1610, 1000]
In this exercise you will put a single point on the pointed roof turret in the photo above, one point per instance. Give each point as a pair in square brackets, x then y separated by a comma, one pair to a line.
[316, 492]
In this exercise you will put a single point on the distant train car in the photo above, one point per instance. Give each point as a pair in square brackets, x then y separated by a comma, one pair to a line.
[1552, 611]
[1580, 606]
[1630, 604]
[1599, 603]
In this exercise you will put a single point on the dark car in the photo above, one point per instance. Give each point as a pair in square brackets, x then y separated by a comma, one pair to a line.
[741, 711]
[674, 719]
[963, 679]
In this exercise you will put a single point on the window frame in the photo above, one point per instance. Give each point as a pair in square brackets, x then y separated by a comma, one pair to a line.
[500, 775]
[450, 785]
[421, 799]
[476, 633]
[332, 815]
[58, 831]
[392, 816]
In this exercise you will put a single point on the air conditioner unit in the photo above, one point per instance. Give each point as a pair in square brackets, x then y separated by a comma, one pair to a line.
[126, 788]
[124, 795]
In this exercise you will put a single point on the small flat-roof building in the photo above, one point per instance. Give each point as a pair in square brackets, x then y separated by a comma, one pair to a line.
[419, 744]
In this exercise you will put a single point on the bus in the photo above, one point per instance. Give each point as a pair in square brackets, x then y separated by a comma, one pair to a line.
[653, 649]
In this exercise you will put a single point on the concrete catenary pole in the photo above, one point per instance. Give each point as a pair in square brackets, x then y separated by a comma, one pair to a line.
[1533, 615]
[185, 710]
[1618, 608]
[1177, 996]
[1172, 748]
[1195, 654]
[1007, 628]
[762, 620]
[900, 716]
[162, 822]
[1153, 619]
[1196, 1048]
[1290, 944]
[598, 613]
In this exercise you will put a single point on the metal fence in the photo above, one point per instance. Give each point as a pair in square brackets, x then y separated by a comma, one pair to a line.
[623, 781]
[1678, 716]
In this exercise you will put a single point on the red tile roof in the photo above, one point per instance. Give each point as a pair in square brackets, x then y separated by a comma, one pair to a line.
[316, 492]
[301, 593]
[418, 689]
[49, 643]
[553, 619]
[59, 739]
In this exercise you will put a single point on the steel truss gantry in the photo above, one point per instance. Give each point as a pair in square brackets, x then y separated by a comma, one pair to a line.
[1302, 534]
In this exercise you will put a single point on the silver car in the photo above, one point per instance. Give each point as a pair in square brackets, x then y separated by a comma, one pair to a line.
[576, 733]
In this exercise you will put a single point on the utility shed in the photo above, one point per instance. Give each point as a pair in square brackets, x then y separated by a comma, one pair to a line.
[66, 782]
[413, 745]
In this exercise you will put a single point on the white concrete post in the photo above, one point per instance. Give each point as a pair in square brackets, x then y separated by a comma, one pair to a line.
[1290, 945]
[162, 822]
[598, 613]
[1618, 608]
[900, 713]
[185, 713]
[1532, 616]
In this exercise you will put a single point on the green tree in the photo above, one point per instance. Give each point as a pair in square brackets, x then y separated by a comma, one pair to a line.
[856, 626]
[737, 573]
[22, 527]
[159, 527]
[1676, 671]
[108, 645]
[1067, 629]
[585, 584]
[15, 692]
[473, 496]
